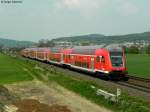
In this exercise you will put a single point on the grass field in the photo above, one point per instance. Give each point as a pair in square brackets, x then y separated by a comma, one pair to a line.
[83, 88]
[11, 70]
[139, 65]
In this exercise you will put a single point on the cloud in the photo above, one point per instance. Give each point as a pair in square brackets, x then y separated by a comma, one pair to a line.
[83, 6]
[127, 8]
[91, 7]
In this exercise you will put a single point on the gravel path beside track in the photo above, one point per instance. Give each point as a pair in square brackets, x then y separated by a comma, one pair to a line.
[111, 85]
[53, 94]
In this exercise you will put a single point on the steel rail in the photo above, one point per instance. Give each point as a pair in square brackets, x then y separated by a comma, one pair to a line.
[131, 84]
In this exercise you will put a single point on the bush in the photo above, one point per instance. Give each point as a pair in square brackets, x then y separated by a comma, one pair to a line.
[132, 50]
[148, 49]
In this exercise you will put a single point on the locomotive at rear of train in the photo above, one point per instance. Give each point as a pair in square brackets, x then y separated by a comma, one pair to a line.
[105, 61]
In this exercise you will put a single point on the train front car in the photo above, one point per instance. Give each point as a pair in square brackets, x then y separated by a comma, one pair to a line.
[117, 66]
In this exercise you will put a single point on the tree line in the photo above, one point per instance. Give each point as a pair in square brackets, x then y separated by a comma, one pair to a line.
[138, 50]
[134, 49]
[45, 43]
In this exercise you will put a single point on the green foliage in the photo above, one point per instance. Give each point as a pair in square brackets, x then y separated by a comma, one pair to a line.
[45, 43]
[148, 49]
[92, 38]
[85, 43]
[138, 65]
[11, 70]
[1, 46]
[99, 39]
[132, 50]
[15, 43]
[82, 87]
[130, 104]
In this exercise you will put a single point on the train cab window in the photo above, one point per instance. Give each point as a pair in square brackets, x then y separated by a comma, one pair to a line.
[116, 59]
[103, 59]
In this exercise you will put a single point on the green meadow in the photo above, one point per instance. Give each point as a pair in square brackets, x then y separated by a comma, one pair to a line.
[139, 65]
[15, 70]
[12, 70]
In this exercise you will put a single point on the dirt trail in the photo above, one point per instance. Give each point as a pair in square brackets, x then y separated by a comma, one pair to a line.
[35, 106]
[53, 94]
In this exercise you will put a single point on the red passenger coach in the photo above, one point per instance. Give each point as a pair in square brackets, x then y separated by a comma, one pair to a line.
[32, 53]
[66, 57]
[29, 52]
[105, 61]
[55, 56]
[42, 53]
[24, 52]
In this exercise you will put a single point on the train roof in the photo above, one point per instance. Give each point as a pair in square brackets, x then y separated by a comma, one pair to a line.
[37, 49]
[56, 49]
[43, 49]
[86, 49]
[114, 47]
[29, 49]
[92, 49]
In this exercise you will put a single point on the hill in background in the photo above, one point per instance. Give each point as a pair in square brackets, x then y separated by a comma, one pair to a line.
[98, 38]
[91, 38]
[15, 43]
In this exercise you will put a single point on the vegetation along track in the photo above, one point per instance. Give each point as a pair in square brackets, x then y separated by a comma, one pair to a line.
[140, 84]
[133, 87]
[137, 83]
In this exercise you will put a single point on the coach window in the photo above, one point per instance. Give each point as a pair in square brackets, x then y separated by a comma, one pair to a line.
[103, 59]
[97, 59]
[63, 56]
[72, 57]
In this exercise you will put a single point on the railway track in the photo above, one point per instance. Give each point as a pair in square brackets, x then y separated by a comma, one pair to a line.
[139, 81]
[134, 86]
[135, 83]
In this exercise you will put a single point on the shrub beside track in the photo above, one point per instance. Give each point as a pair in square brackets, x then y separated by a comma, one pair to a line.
[83, 87]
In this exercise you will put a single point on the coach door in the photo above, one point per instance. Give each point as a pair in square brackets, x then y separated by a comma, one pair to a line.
[92, 63]
[62, 58]
[102, 62]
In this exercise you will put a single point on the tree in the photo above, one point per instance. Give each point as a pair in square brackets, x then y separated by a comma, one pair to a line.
[45, 43]
[50, 43]
[148, 49]
[42, 43]
[1, 48]
[132, 49]
[85, 43]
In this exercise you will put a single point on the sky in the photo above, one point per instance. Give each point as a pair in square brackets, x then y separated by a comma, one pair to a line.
[46, 19]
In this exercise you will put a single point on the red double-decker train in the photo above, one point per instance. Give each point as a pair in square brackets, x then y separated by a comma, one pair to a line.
[105, 61]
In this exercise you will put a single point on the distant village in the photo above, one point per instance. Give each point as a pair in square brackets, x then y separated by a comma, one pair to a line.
[131, 47]
[137, 47]
[139, 44]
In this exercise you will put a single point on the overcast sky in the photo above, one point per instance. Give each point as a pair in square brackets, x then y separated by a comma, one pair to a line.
[36, 19]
